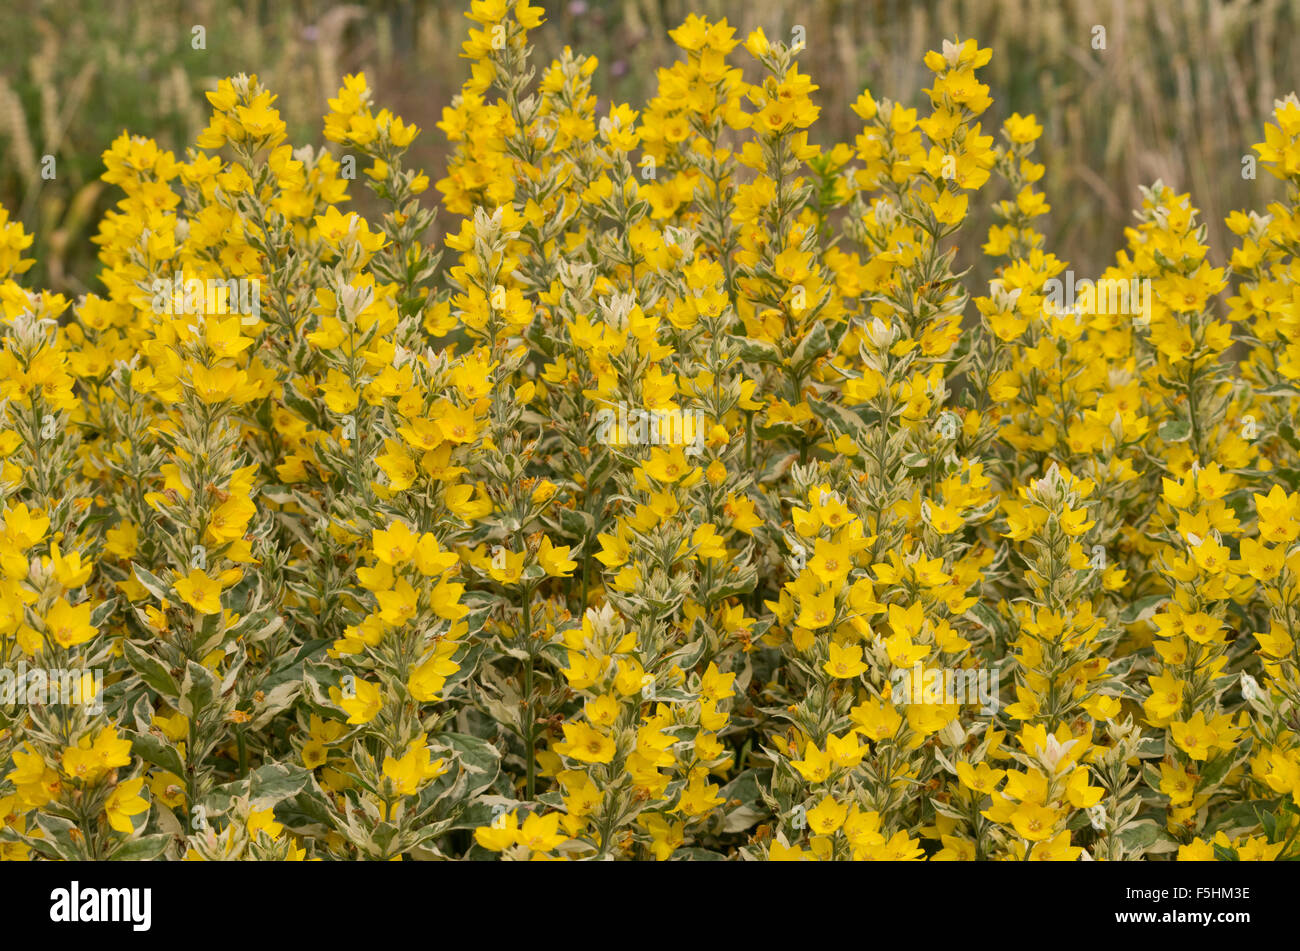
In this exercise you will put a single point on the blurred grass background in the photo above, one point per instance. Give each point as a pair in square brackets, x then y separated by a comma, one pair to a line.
[1180, 93]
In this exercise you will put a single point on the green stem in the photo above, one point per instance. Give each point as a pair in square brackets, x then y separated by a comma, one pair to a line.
[529, 731]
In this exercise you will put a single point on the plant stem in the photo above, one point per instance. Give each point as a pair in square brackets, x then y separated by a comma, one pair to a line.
[530, 735]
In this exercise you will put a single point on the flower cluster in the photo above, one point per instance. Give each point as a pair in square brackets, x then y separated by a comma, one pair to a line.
[668, 493]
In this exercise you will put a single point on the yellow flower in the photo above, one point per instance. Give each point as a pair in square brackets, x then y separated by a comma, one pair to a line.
[1034, 821]
[395, 544]
[122, 540]
[816, 610]
[69, 625]
[263, 820]
[1023, 129]
[555, 561]
[68, 569]
[541, 833]
[90, 761]
[585, 744]
[200, 592]
[845, 662]
[360, 700]
[665, 836]
[125, 802]
[222, 383]
[700, 796]
[415, 768]
[500, 835]
[827, 816]
[1194, 737]
[668, 465]
[982, 779]
[25, 527]
[428, 678]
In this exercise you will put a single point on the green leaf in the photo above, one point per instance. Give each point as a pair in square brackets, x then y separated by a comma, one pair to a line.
[696, 855]
[150, 669]
[156, 750]
[152, 583]
[1279, 389]
[477, 765]
[277, 699]
[1139, 837]
[1174, 430]
[688, 656]
[1142, 608]
[274, 782]
[989, 619]
[102, 612]
[475, 620]
[1214, 771]
[474, 816]
[577, 524]
[477, 757]
[1151, 747]
[197, 689]
[306, 810]
[1287, 431]
[57, 835]
[143, 848]
[812, 346]
[1243, 816]
[845, 420]
[264, 787]
[760, 351]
